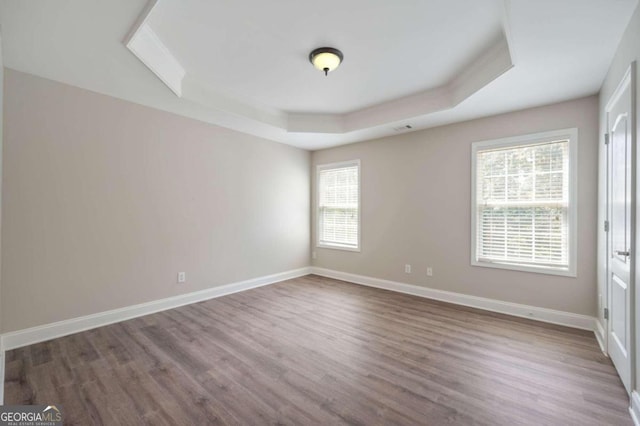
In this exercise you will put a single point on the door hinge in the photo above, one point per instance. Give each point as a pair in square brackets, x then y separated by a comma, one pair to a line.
[606, 226]
[606, 138]
[606, 313]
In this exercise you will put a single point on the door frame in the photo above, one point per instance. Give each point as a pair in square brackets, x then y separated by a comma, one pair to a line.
[628, 79]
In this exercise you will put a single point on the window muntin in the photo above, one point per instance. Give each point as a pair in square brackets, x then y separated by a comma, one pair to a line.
[523, 209]
[338, 211]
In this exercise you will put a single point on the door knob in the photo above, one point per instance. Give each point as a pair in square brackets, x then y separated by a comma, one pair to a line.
[622, 253]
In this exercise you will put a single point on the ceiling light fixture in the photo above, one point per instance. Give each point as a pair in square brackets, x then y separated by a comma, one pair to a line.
[326, 59]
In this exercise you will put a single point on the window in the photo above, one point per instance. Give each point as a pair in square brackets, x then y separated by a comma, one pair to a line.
[524, 203]
[339, 205]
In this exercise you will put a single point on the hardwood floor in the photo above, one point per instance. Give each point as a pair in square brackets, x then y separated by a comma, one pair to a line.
[319, 351]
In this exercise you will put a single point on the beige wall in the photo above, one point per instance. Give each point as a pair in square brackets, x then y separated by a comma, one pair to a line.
[416, 195]
[1, 133]
[627, 52]
[105, 201]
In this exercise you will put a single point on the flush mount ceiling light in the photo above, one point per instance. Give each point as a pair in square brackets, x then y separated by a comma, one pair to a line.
[326, 59]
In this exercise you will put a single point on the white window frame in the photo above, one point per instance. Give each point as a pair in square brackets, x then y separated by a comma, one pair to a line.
[337, 165]
[572, 213]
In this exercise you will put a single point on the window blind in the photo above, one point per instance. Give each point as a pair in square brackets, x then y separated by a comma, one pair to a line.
[522, 198]
[338, 206]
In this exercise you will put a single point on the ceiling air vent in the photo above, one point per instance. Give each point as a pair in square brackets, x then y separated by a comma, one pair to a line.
[403, 128]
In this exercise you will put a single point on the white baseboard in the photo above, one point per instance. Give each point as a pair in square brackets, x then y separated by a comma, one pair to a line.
[598, 330]
[29, 336]
[568, 319]
[634, 410]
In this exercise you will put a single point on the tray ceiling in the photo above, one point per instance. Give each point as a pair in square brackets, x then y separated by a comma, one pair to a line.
[244, 65]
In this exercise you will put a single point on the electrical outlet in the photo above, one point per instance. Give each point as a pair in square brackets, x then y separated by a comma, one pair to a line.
[407, 269]
[429, 271]
[182, 277]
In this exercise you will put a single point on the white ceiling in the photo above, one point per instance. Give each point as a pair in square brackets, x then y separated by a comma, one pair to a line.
[260, 53]
[418, 62]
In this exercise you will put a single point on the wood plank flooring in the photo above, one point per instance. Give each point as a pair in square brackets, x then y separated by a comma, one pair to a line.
[316, 351]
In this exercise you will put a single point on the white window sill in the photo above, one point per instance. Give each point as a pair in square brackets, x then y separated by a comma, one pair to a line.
[565, 272]
[338, 247]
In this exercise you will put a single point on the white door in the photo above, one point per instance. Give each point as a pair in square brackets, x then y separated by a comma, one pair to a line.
[621, 227]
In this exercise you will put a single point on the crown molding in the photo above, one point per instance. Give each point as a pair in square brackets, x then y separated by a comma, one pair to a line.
[147, 46]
